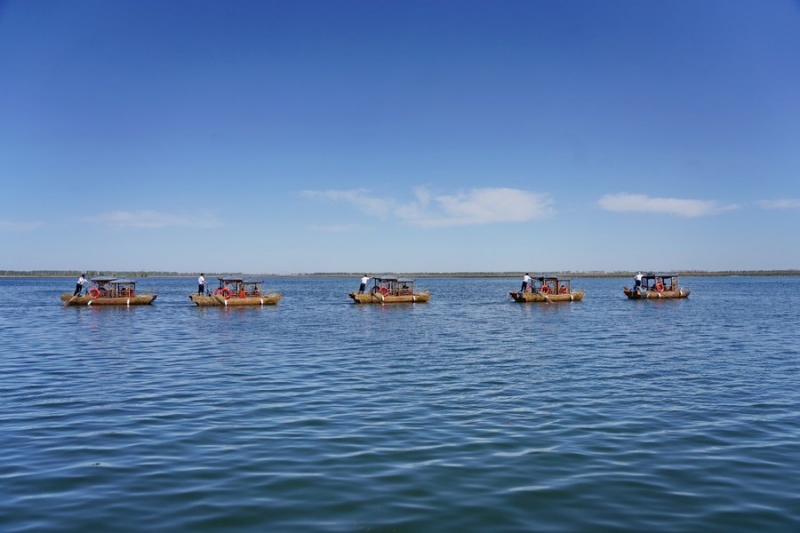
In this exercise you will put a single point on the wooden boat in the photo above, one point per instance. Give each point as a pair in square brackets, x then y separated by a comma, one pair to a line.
[391, 290]
[110, 291]
[236, 292]
[550, 289]
[655, 286]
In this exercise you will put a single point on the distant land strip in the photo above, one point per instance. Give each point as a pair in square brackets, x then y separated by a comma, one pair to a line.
[210, 275]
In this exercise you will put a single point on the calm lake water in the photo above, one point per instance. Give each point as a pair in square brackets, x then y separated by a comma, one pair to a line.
[469, 413]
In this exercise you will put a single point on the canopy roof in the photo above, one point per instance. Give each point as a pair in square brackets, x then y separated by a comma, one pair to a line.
[239, 280]
[392, 277]
[650, 275]
[552, 278]
[123, 281]
[102, 279]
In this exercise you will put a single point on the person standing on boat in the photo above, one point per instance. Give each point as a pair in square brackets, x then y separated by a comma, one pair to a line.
[363, 285]
[81, 282]
[637, 280]
[201, 284]
[526, 280]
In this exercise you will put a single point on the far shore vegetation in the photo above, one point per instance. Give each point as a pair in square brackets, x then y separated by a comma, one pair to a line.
[510, 274]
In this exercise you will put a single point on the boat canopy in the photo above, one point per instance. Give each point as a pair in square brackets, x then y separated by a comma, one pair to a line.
[554, 284]
[668, 281]
[102, 279]
[551, 278]
[123, 281]
[651, 275]
[239, 280]
[390, 284]
[391, 277]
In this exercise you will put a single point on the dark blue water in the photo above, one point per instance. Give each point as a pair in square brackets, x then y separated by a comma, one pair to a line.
[467, 413]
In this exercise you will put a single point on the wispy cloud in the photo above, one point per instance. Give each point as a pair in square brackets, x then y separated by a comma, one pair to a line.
[641, 203]
[151, 219]
[358, 198]
[340, 228]
[7, 225]
[475, 206]
[788, 203]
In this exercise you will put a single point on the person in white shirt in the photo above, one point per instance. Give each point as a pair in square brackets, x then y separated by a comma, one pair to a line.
[637, 280]
[526, 279]
[201, 284]
[363, 285]
[81, 282]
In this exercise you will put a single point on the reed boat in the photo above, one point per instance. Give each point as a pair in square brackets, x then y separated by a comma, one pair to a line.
[110, 291]
[549, 289]
[657, 286]
[391, 290]
[236, 292]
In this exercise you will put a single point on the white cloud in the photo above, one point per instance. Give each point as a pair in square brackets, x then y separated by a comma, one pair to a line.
[359, 198]
[475, 206]
[486, 206]
[151, 219]
[642, 203]
[788, 203]
[7, 225]
[340, 228]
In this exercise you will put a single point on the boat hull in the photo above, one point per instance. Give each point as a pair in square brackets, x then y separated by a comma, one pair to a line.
[644, 294]
[217, 300]
[377, 298]
[140, 299]
[539, 297]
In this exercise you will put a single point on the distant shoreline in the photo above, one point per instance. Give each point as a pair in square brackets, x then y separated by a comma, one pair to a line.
[565, 274]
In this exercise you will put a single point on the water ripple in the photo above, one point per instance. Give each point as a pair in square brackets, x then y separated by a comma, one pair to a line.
[318, 414]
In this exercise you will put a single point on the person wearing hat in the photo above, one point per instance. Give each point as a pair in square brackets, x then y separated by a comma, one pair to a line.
[363, 285]
[81, 282]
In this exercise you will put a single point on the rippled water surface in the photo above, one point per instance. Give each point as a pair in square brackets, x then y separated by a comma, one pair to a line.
[467, 413]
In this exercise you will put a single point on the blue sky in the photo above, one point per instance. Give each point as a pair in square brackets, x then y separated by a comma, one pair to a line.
[396, 136]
